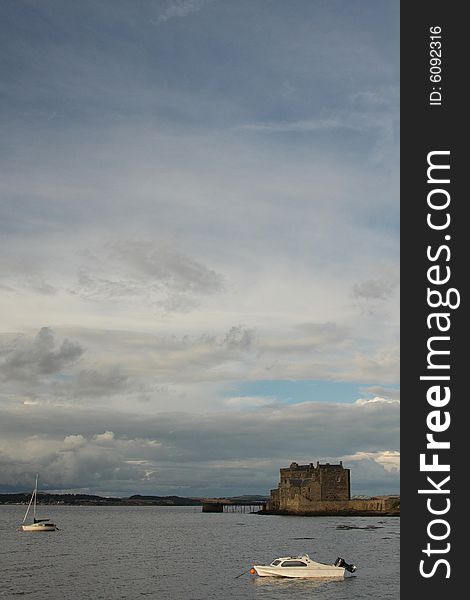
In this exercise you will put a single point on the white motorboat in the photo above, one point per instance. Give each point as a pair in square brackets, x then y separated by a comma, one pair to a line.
[37, 524]
[303, 566]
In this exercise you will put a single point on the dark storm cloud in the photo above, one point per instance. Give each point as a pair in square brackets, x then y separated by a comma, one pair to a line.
[368, 474]
[219, 446]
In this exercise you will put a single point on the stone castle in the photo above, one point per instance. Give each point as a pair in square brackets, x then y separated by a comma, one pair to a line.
[324, 490]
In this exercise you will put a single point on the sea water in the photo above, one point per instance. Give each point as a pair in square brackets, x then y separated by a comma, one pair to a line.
[181, 553]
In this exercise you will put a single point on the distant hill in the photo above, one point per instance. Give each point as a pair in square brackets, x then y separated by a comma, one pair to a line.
[90, 500]
[135, 500]
[161, 501]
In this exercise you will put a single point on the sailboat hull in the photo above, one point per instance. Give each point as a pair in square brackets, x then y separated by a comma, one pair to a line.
[39, 527]
[38, 524]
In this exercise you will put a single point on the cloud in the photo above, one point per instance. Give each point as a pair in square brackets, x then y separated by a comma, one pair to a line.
[248, 402]
[93, 384]
[24, 273]
[376, 400]
[327, 334]
[381, 468]
[107, 436]
[118, 367]
[374, 289]
[165, 264]
[181, 8]
[26, 359]
[381, 365]
[297, 126]
[73, 442]
[371, 113]
[239, 338]
[389, 459]
[146, 273]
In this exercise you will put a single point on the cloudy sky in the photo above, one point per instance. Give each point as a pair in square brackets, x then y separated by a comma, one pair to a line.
[199, 224]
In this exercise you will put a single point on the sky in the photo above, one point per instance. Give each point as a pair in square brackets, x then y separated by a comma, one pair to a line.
[200, 244]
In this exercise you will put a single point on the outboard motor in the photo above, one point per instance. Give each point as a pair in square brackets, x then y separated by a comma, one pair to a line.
[340, 562]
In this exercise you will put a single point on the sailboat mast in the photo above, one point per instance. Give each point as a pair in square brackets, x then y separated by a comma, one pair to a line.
[35, 497]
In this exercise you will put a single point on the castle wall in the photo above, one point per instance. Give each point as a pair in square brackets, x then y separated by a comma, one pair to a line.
[378, 505]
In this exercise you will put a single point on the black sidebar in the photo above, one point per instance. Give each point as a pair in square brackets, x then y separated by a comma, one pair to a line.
[435, 236]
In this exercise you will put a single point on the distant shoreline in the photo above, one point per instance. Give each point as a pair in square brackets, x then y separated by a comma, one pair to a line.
[169, 501]
[135, 500]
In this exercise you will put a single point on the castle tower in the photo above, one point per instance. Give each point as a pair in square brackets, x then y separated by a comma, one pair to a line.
[302, 485]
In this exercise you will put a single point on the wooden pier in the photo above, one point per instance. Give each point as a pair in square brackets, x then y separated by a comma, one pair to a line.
[216, 505]
[243, 508]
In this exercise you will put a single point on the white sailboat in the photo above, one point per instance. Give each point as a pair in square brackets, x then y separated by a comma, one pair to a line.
[37, 524]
